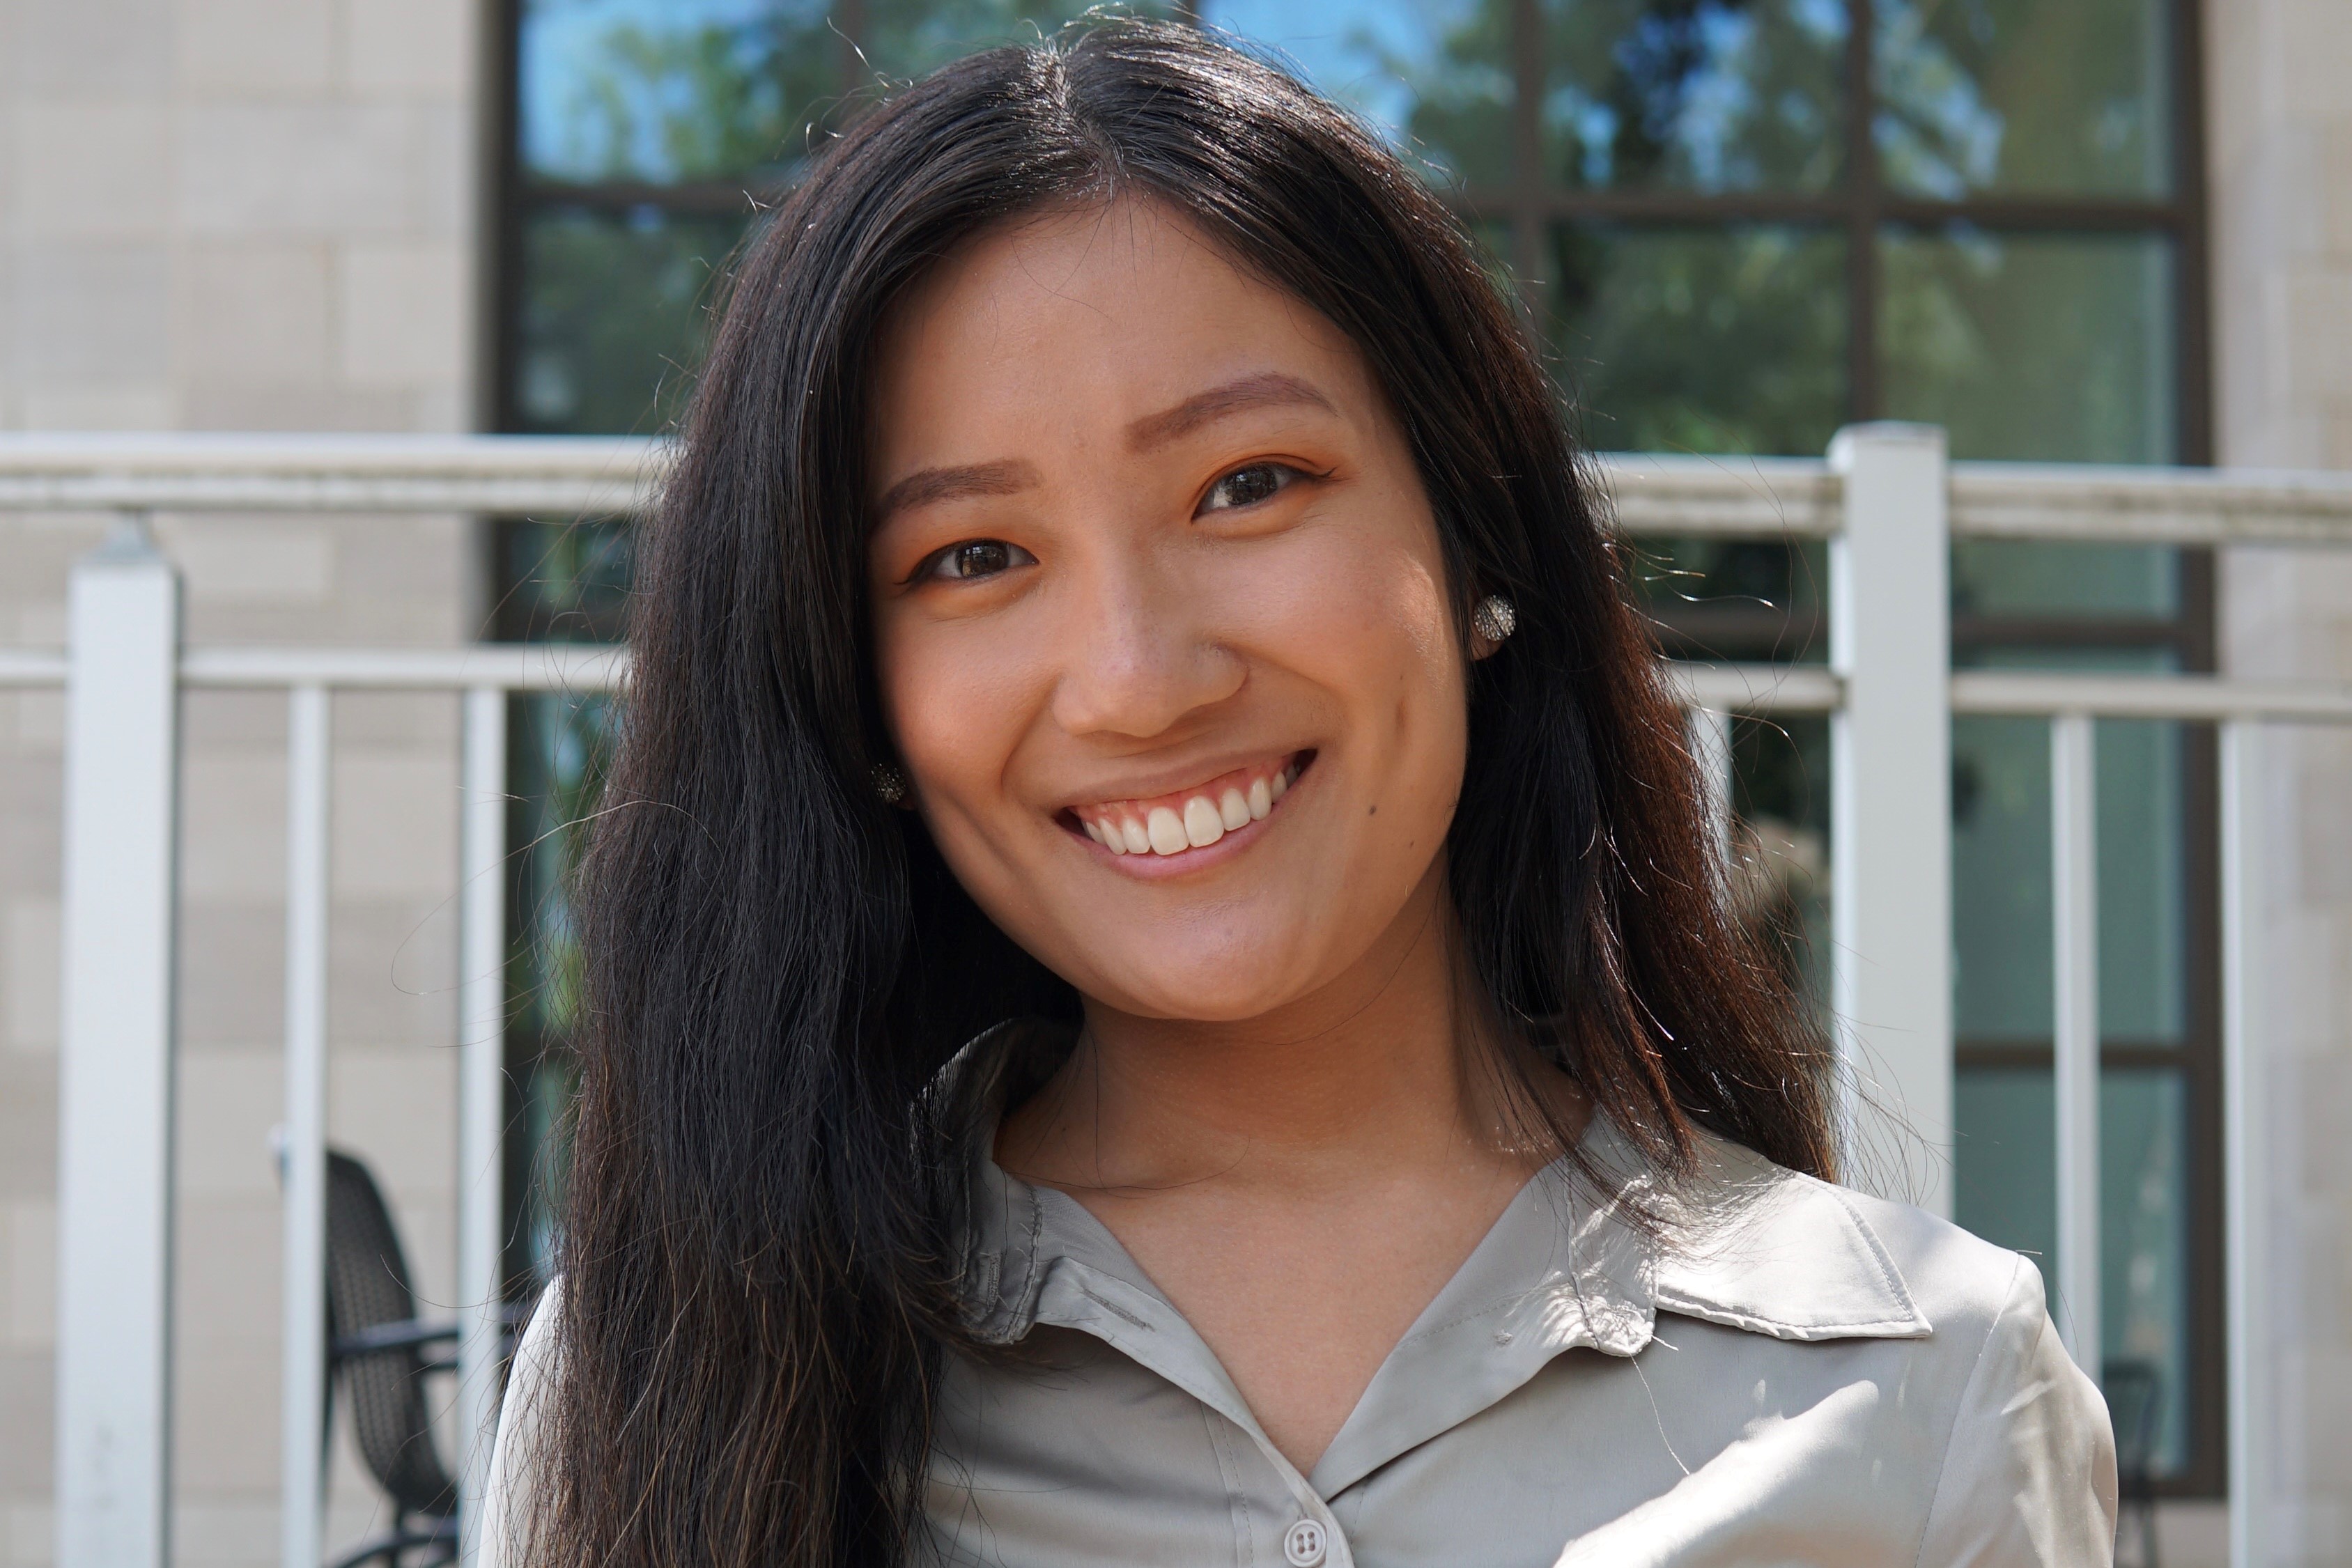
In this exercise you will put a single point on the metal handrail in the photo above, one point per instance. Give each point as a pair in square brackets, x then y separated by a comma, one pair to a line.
[1651, 494]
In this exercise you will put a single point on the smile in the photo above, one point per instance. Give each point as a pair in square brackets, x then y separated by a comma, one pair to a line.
[1190, 819]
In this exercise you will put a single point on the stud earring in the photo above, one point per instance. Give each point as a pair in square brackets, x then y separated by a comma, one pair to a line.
[1494, 619]
[889, 783]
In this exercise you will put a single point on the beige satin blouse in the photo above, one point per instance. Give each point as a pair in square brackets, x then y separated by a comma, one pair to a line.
[1795, 1374]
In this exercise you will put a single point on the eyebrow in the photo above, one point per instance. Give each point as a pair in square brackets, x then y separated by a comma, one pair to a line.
[1268, 389]
[1006, 476]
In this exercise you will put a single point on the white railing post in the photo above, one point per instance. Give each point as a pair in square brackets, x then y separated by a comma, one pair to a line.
[2074, 969]
[1891, 815]
[2244, 1203]
[1710, 745]
[302, 1367]
[481, 1089]
[115, 1094]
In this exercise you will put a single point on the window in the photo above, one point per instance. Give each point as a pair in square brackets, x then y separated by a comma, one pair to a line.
[1734, 224]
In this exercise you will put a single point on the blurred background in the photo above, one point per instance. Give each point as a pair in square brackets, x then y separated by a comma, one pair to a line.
[2107, 232]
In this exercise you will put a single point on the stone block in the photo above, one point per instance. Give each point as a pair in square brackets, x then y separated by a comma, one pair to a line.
[209, 403]
[258, 313]
[262, 169]
[29, 1393]
[31, 962]
[225, 1434]
[233, 843]
[429, 721]
[396, 1108]
[227, 1256]
[91, 170]
[93, 316]
[40, 726]
[2320, 306]
[31, 795]
[403, 312]
[106, 44]
[227, 1533]
[229, 1101]
[28, 1533]
[28, 1127]
[393, 973]
[128, 407]
[28, 1292]
[254, 49]
[396, 823]
[257, 563]
[413, 47]
[232, 974]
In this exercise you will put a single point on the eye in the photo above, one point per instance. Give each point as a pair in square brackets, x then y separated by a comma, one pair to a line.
[976, 558]
[1248, 487]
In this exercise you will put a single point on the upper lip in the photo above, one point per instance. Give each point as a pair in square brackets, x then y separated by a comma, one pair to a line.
[1175, 780]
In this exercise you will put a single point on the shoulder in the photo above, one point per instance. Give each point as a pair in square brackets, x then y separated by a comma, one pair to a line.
[1763, 1248]
[514, 1461]
[2028, 1466]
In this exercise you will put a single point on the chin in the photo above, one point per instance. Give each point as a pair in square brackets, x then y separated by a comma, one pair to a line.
[1227, 986]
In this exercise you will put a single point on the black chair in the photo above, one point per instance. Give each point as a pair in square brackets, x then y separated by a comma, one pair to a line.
[378, 1349]
[2135, 1392]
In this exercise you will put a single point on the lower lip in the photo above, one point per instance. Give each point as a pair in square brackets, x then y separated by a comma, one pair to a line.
[1153, 867]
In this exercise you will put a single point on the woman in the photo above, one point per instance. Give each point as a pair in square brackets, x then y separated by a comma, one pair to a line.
[1161, 994]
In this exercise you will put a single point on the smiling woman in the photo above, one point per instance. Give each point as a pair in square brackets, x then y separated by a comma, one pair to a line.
[1158, 989]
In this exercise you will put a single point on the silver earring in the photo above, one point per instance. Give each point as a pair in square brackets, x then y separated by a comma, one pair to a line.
[889, 783]
[1494, 619]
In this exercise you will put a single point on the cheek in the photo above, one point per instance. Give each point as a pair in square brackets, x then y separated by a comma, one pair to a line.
[953, 703]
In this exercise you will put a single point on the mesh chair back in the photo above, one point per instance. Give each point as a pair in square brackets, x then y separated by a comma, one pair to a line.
[367, 1284]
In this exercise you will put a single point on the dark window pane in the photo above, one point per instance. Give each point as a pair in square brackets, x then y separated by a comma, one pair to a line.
[1780, 865]
[2144, 1245]
[2042, 96]
[1756, 601]
[905, 39]
[2028, 579]
[1433, 75]
[562, 582]
[2000, 868]
[2049, 347]
[2005, 1190]
[1730, 340]
[1721, 94]
[555, 770]
[614, 311]
[671, 89]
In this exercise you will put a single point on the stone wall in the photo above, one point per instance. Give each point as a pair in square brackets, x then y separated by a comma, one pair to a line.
[2280, 146]
[248, 215]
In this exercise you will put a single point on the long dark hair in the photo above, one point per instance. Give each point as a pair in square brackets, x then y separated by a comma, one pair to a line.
[761, 1267]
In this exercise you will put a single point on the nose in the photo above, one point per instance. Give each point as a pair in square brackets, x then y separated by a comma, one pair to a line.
[1140, 651]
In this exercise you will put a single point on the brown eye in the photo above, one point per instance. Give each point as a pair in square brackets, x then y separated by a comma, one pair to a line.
[1247, 487]
[976, 558]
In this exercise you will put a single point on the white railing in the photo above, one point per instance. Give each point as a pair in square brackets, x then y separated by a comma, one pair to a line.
[1885, 500]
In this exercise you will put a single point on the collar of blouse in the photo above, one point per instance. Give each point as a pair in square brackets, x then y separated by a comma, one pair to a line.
[1743, 1243]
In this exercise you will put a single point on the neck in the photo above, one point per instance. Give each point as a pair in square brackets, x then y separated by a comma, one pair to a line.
[1382, 1064]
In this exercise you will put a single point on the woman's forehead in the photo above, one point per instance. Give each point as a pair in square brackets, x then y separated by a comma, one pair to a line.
[1088, 323]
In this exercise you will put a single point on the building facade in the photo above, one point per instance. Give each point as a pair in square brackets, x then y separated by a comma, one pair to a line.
[348, 215]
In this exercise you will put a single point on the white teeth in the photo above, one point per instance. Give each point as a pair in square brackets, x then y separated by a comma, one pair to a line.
[1167, 830]
[1112, 839]
[1202, 826]
[1092, 831]
[1261, 800]
[1233, 810]
[1131, 833]
[1281, 785]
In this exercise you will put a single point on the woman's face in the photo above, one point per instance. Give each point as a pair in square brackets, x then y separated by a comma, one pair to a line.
[1160, 619]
